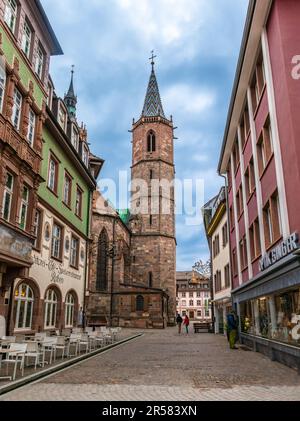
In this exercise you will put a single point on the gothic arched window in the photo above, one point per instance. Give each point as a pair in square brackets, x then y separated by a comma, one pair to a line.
[101, 281]
[139, 303]
[151, 142]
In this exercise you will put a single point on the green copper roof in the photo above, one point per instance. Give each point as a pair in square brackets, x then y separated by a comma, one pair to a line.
[124, 215]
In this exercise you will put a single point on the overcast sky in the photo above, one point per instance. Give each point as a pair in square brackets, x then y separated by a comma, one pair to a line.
[197, 44]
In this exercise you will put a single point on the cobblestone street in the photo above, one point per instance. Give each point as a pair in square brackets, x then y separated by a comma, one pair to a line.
[162, 365]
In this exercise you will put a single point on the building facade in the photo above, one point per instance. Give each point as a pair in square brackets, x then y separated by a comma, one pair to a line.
[193, 296]
[26, 43]
[261, 157]
[217, 231]
[132, 281]
[48, 177]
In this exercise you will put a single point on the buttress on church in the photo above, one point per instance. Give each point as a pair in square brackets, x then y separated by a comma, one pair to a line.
[132, 280]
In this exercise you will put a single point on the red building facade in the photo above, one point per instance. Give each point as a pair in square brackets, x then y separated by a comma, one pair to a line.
[261, 157]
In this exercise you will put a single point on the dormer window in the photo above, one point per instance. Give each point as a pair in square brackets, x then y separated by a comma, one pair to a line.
[62, 115]
[26, 39]
[151, 142]
[10, 16]
[85, 156]
[75, 138]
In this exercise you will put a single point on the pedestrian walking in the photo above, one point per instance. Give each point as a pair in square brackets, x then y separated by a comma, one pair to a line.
[232, 329]
[186, 323]
[179, 322]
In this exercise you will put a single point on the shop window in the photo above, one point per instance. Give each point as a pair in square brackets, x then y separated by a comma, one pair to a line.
[51, 303]
[24, 301]
[69, 311]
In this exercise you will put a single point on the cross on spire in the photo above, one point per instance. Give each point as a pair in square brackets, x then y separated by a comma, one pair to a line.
[152, 59]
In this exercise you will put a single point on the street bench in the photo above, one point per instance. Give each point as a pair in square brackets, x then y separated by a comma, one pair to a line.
[202, 327]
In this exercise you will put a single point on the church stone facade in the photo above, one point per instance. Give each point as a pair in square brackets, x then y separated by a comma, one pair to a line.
[133, 255]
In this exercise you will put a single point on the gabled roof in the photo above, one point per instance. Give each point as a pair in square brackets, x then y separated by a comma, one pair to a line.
[153, 106]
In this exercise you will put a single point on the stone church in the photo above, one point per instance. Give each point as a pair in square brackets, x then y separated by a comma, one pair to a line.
[132, 273]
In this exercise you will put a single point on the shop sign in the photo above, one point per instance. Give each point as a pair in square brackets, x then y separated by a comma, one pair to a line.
[15, 245]
[282, 250]
[56, 270]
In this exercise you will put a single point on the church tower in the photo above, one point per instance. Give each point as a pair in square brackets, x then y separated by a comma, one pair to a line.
[70, 98]
[152, 200]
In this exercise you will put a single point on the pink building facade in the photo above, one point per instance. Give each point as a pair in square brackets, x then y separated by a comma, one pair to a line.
[261, 158]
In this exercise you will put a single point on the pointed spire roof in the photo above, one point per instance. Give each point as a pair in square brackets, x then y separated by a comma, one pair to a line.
[153, 106]
[70, 97]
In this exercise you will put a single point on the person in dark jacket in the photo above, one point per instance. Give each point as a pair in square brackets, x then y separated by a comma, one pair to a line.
[232, 329]
[179, 322]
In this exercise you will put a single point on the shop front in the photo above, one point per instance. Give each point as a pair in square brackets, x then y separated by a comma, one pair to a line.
[269, 312]
[222, 307]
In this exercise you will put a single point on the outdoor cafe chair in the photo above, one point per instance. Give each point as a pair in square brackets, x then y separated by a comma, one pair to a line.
[85, 342]
[48, 345]
[62, 344]
[74, 341]
[15, 355]
[34, 351]
[7, 340]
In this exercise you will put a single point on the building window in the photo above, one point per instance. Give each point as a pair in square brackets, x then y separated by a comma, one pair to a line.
[234, 263]
[245, 126]
[37, 228]
[53, 174]
[26, 39]
[8, 196]
[17, 107]
[101, 281]
[10, 15]
[50, 309]
[198, 303]
[198, 292]
[62, 117]
[265, 147]
[24, 299]
[150, 280]
[243, 253]
[69, 312]
[255, 246]
[151, 142]
[24, 208]
[150, 220]
[74, 252]
[258, 82]
[236, 155]
[75, 137]
[272, 220]
[227, 276]
[2, 87]
[78, 204]
[57, 240]
[140, 302]
[191, 294]
[85, 156]
[31, 128]
[151, 174]
[191, 303]
[199, 313]
[250, 179]
[39, 63]
[67, 189]
[184, 294]
[184, 302]
[225, 234]
[218, 281]
[216, 246]
[239, 202]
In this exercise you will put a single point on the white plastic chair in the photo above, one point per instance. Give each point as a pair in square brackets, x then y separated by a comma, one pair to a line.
[34, 351]
[84, 341]
[74, 340]
[48, 345]
[62, 344]
[15, 355]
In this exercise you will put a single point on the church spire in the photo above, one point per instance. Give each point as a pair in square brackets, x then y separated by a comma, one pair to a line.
[70, 97]
[153, 106]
